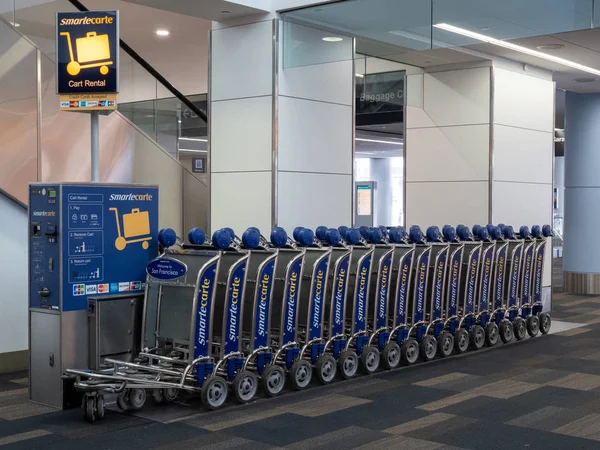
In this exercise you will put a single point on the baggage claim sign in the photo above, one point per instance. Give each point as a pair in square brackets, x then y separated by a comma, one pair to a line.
[87, 69]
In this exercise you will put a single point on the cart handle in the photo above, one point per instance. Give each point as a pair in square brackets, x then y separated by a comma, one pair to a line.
[117, 219]
[68, 36]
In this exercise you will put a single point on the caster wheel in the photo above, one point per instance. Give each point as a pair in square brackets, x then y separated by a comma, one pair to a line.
[123, 401]
[446, 344]
[519, 328]
[245, 386]
[506, 331]
[137, 398]
[348, 363]
[428, 348]
[300, 374]
[491, 334]
[461, 340]
[90, 409]
[477, 337]
[170, 394]
[273, 380]
[326, 368]
[158, 396]
[410, 350]
[100, 406]
[533, 326]
[391, 355]
[214, 392]
[545, 323]
[369, 360]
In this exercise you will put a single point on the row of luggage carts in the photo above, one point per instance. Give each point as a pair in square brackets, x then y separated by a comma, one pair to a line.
[245, 315]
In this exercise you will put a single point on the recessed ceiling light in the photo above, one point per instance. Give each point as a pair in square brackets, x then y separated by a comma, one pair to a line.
[15, 24]
[359, 75]
[333, 39]
[584, 80]
[484, 28]
[163, 32]
[225, 12]
[517, 48]
[549, 46]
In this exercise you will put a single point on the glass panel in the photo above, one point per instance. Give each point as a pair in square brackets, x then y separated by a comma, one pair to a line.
[18, 113]
[303, 46]
[508, 19]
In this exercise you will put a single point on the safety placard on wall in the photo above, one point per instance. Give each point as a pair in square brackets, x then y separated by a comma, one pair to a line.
[87, 56]
[109, 237]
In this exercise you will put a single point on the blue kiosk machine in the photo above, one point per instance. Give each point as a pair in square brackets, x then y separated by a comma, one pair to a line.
[86, 241]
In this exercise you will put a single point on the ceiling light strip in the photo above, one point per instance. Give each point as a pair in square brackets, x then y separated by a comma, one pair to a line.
[517, 48]
[378, 141]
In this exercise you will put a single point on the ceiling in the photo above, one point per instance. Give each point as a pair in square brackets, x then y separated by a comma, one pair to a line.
[206, 9]
[400, 30]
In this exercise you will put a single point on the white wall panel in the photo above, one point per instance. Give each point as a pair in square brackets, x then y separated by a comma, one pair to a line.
[242, 61]
[310, 200]
[314, 136]
[458, 97]
[519, 204]
[241, 135]
[241, 200]
[13, 277]
[414, 93]
[522, 155]
[523, 101]
[330, 82]
[448, 153]
[446, 203]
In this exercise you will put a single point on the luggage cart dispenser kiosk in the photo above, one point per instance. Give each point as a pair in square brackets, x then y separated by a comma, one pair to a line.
[84, 241]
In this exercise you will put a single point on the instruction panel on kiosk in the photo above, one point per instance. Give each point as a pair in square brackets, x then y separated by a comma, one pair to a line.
[103, 236]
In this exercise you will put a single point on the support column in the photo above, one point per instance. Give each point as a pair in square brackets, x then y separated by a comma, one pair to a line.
[281, 127]
[581, 254]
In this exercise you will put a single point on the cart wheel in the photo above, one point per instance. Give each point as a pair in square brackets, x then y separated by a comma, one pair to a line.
[170, 394]
[214, 392]
[369, 360]
[410, 350]
[545, 323]
[519, 328]
[123, 400]
[137, 398]
[428, 347]
[245, 386]
[300, 374]
[145, 245]
[446, 344]
[158, 396]
[477, 337]
[391, 355]
[461, 340]
[120, 243]
[533, 326]
[90, 409]
[326, 368]
[348, 363]
[506, 331]
[491, 334]
[273, 380]
[100, 406]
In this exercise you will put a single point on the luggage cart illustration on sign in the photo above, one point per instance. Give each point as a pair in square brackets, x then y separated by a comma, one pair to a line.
[136, 224]
[92, 51]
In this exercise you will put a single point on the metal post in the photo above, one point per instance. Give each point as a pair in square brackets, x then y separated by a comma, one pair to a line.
[95, 132]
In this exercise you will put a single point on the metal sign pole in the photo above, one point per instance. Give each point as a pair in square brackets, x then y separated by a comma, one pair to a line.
[95, 146]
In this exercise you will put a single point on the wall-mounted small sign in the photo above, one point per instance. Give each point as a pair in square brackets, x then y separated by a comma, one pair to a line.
[199, 165]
